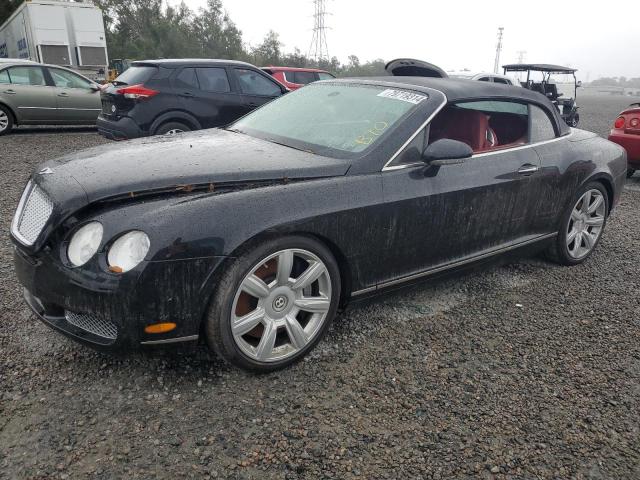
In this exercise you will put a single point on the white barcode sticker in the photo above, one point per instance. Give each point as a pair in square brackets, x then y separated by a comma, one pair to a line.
[403, 95]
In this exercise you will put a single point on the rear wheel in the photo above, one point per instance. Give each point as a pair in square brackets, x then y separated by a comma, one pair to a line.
[630, 172]
[6, 120]
[274, 303]
[582, 226]
[172, 128]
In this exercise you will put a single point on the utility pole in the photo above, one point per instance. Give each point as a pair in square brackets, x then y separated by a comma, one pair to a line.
[521, 55]
[318, 49]
[496, 65]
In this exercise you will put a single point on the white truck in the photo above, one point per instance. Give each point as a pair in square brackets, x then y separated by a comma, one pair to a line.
[59, 33]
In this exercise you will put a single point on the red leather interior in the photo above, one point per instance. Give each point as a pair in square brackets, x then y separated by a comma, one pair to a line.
[468, 126]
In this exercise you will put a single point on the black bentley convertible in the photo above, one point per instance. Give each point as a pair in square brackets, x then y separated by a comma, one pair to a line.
[254, 236]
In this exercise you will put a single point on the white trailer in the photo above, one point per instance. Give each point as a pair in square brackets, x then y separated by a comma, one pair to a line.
[59, 33]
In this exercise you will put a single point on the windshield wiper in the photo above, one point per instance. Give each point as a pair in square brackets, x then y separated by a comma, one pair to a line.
[235, 130]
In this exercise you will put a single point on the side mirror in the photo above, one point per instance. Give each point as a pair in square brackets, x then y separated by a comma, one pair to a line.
[95, 87]
[446, 152]
[579, 84]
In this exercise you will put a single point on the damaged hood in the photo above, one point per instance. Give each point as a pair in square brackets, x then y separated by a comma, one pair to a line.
[208, 157]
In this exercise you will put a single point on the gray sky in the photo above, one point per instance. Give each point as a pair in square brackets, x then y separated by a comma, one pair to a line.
[457, 34]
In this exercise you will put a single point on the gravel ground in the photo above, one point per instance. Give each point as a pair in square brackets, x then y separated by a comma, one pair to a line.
[522, 371]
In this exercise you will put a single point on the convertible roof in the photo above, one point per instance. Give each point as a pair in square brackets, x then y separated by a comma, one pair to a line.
[538, 67]
[457, 90]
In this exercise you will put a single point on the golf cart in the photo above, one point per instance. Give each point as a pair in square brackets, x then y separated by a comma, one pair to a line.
[566, 105]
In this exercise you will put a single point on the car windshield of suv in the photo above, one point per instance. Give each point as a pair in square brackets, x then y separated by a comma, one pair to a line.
[331, 118]
[135, 75]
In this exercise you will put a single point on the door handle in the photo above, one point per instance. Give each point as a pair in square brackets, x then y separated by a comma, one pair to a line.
[187, 94]
[10, 92]
[253, 104]
[528, 169]
[63, 94]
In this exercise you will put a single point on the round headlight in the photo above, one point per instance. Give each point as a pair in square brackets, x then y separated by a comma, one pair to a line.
[128, 250]
[85, 243]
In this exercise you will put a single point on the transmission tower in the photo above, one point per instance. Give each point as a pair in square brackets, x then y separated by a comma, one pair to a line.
[496, 65]
[318, 49]
[521, 55]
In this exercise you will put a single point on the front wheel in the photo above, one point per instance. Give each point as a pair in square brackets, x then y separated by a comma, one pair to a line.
[582, 226]
[274, 303]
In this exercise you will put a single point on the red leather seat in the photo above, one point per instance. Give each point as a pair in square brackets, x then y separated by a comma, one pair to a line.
[468, 126]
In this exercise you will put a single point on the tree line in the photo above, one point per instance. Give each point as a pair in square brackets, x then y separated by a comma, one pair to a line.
[145, 29]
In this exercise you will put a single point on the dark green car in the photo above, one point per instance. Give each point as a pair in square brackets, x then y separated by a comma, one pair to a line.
[35, 94]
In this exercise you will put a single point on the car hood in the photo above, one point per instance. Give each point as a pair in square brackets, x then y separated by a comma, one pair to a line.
[207, 157]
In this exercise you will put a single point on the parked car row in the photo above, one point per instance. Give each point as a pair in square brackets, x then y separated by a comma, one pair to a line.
[149, 98]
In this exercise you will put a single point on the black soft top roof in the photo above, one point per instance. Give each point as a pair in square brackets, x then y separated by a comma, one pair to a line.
[181, 62]
[458, 90]
[538, 67]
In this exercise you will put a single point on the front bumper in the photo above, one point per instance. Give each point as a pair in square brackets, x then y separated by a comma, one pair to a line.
[631, 143]
[111, 311]
[123, 128]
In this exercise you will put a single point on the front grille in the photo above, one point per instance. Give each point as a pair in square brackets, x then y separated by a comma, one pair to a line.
[32, 215]
[93, 324]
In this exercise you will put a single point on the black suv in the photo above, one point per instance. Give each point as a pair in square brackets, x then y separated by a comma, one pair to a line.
[154, 97]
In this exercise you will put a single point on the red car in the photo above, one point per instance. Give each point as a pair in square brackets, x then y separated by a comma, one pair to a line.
[626, 133]
[294, 78]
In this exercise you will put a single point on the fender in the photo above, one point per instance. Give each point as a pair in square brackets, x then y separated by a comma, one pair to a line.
[175, 115]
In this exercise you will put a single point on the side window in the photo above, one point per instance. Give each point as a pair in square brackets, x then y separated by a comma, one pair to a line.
[253, 83]
[483, 125]
[484, 79]
[325, 76]
[541, 126]
[187, 79]
[4, 76]
[65, 79]
[26, 76]
[213, 79]
[503, 81]
[304, 78]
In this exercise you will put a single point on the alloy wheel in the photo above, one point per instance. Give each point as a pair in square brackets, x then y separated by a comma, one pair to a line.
[281, 305]
[585, 223]
[4, 121]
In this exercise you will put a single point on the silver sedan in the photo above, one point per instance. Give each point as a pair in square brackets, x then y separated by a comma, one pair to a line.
[34, 94]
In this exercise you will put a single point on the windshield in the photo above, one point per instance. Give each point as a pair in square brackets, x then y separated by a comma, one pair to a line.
[331, 118]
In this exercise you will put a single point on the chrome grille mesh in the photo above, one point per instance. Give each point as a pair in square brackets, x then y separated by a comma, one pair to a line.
[33, 213]
[91, 323]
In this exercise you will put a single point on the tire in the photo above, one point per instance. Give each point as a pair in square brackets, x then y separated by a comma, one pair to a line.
[630, 172]
[277, 330]
[576, 219]
[172, 128]
[574, 121]
[6, 120]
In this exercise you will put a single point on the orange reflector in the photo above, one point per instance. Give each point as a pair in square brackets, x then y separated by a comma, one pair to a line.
[160, 327]
[115, 269]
